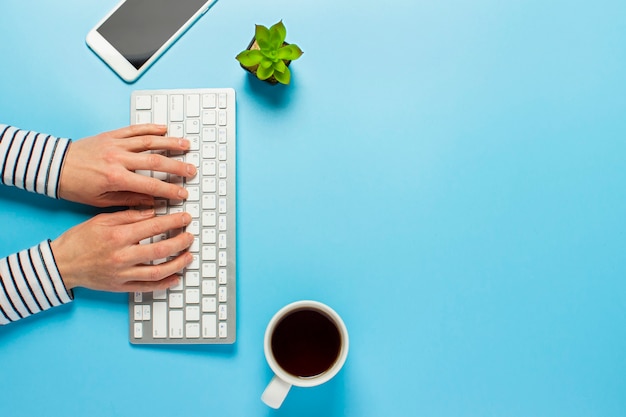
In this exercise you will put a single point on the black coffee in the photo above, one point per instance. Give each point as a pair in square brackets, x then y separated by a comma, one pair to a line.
[306, 343]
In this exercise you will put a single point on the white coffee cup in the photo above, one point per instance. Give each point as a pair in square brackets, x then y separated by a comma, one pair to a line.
[306, 344]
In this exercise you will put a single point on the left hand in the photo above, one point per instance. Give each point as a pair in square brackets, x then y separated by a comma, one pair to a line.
[99, 170]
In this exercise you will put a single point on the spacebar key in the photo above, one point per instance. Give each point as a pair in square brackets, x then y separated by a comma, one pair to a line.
[159, 320]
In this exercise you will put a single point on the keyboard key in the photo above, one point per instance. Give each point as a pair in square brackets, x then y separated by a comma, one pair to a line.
[223, 330]
[222, 135]
[142, 117]
[209, 325]
[209, 101]
[192, 330]
[209, 202]
[222, 153]
[143, 102]
[176, 324]
[209, 270]
[160, 109]
[159, 295]
[209, 134]
[223, 276]
[176, 130]
[192, 279]
[177, 108]
[222, 241]
[159, 320]
[209, 287]
[209, 117]
[221, 100]
[208, 236]
[208, 167]
[192, 296]
[193, 105]
[222, 294]
[223, 312]
[209, 151]
[176, 300]
[192, 313]
[209, 253]
[138, 330]
[192, 126]
[208, 218]
[208, 304]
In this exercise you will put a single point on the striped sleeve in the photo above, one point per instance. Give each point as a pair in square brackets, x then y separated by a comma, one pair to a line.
[30, 283]
[31, 161]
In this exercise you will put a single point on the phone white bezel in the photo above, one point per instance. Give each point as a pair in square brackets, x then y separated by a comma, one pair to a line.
[116, 61]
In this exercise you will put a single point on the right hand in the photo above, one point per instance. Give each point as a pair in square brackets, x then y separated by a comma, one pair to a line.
[104, 252]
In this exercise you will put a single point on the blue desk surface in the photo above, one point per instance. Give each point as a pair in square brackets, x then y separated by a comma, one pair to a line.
[448, 175]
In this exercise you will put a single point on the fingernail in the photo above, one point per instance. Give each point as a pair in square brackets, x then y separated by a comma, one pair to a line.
[191, 169]
[190, 238]
[147, 212]
[186, 219]
[182, 193]
[161, 126]
[189, 258]
[184, 143]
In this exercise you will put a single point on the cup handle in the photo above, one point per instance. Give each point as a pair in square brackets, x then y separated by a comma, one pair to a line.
[275, 392]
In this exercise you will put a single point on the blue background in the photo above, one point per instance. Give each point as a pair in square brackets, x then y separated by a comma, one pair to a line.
[448, 175]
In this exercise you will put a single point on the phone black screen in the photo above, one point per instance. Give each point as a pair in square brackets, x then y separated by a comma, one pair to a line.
[140, 27]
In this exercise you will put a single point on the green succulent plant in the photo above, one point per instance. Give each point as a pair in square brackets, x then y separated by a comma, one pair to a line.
[269, 55]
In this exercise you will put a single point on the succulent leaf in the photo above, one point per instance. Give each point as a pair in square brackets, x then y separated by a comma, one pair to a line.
[266, 63]
[290, 52]
[249, 58]
[278, 33]
[280, 66]
[264, 73]
[283, 77]
[262, 36]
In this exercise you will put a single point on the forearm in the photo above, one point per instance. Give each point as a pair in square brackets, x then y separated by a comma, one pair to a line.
[30, 283]
[31, 161]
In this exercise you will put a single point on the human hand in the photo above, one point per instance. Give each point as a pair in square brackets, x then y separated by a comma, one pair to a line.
[99, 170]
[103, 253]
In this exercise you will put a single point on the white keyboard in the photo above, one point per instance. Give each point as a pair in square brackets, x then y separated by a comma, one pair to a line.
[201, 310]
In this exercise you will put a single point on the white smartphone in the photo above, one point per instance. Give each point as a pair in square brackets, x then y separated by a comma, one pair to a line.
[133, 35]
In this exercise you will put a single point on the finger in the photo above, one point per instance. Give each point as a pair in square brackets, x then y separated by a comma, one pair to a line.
[138, 130]
[125, 217]
[126, 199]
[157, 162]
[143, 254]
[149, 286]
[151, 186]
[155, 143]
[158, 225]
[154, 273]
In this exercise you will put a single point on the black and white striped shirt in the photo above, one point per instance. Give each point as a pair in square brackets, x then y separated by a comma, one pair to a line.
[30, 281]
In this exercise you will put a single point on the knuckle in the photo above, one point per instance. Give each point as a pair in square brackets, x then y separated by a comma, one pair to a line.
[114, 179]
[147, 142]
[152, 186]
[155, 227]
[117, 258]
[154, 160]
[117, 234]
[160, 251]
[156, 273]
